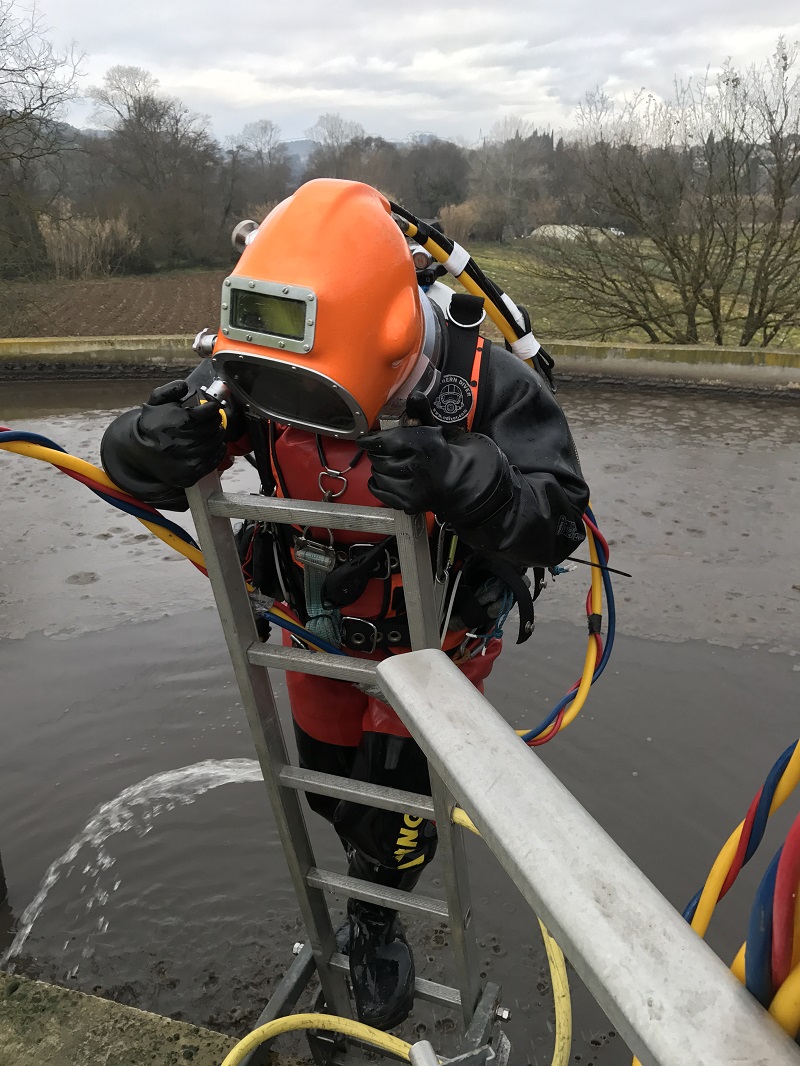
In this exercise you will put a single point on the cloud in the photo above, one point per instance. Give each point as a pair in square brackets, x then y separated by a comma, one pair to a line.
[452, 70]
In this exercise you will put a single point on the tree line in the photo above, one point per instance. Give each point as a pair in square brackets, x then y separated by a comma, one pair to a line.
[672, 219]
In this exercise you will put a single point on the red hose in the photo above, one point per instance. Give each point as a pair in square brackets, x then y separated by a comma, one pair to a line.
[783, 906]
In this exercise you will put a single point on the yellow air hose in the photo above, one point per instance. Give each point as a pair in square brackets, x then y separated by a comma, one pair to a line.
[89, 470]
[722, 864]
[492, 310]
[293, 1022]
[785, 1006]
[80, 466]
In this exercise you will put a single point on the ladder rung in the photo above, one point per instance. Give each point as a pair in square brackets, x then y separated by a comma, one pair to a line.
[341, 885]
[323, 663]
[388, 799]
[431, 991]
[302, 513]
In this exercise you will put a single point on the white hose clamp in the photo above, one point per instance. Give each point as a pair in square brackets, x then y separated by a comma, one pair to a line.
[456, 262]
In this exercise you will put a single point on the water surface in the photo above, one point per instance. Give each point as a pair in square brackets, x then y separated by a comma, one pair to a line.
[113, 670]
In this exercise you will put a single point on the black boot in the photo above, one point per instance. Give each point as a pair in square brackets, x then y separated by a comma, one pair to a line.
[381, 964]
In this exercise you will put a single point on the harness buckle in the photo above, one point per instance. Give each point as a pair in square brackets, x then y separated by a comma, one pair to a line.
[312, 553]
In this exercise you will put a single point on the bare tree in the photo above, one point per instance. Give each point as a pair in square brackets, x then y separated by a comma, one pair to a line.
[267, 176]
[121, 93]
[166, 163]
[36, 81]
[509, 178]
[706, 187]
[263, 139]
[332, 130]
[331, 134]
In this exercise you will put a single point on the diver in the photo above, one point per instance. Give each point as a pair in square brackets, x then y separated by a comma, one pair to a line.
[353, 385]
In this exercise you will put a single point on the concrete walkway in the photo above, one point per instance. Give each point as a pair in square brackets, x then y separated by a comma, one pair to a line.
[45, 1025]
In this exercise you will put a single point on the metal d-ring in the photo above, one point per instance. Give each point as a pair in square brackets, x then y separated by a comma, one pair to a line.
[334, 475]
[462, 325]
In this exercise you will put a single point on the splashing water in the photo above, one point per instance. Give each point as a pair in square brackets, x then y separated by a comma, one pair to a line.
[134, 808]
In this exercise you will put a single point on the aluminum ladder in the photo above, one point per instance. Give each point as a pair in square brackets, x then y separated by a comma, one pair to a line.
[478, 1002]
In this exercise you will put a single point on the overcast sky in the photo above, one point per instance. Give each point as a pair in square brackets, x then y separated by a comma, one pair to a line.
[405, 68]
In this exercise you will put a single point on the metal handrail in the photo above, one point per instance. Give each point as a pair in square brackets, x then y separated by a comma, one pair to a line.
[671, 999]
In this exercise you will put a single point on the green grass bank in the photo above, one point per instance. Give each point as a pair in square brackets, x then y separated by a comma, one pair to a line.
[46, 1025]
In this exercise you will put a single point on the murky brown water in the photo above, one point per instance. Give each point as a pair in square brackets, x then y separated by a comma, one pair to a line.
[113, 670]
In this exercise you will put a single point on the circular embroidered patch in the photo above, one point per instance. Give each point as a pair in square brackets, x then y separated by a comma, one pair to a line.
[454, 399]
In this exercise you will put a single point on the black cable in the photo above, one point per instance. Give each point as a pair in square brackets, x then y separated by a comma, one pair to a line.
[472, 270]
[600, 566]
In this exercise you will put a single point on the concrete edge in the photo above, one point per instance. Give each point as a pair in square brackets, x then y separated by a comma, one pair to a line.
[47, 1025]
[772, 371]
[39, 347]
[612, 369]
[678, 353]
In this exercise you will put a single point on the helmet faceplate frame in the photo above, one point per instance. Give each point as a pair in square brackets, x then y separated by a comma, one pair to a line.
[262, 365]
[295, 293]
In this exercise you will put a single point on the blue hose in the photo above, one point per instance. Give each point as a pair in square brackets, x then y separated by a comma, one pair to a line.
[758, 952]
[303, 634]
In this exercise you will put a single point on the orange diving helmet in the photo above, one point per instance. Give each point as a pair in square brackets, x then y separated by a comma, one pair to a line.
[313, 339]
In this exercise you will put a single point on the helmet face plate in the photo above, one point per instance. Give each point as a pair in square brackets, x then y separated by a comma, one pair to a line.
[268, 313]
[291, 393]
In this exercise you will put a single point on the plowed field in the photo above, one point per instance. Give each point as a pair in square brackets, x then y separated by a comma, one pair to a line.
[176, 302]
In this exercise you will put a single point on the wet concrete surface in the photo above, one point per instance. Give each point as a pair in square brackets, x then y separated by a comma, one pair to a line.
[113, 670]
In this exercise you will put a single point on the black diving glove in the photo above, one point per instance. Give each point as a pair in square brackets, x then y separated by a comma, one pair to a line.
[462, 477]
[164, 444]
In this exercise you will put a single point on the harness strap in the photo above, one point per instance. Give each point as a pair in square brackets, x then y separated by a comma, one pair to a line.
[456, 400]
[324, 620]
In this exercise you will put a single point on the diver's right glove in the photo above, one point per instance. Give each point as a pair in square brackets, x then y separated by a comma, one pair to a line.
[464, 478]
[164, 445]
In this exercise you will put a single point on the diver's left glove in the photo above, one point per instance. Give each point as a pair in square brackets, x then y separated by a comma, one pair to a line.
[464, 478]
[163, 447]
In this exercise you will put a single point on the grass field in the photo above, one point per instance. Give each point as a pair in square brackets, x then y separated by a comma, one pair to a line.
[183, 302]
[513, 267]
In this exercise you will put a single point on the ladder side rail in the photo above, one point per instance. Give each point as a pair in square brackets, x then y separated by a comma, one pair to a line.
[282, 1002]
[423, 617]
[455, 875]
[233, 604]
[670, 997]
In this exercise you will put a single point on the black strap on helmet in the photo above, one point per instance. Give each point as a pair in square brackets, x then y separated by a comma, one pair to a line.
[456, 394]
